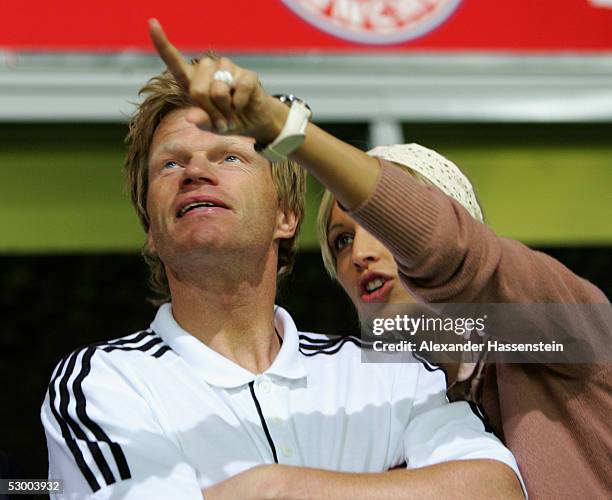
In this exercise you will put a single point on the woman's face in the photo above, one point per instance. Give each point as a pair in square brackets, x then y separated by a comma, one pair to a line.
[365, 268]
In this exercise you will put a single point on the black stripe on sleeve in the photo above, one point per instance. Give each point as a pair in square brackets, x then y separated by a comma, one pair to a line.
[481, 414]
[97, 431]
[64, 399]
[132, 344]
[263, 421]
[70, 442]
[161, 351]
[137, 338]
[144, 347]
[430, 367]
[331, 347]
[72, 428]
[314, 340]
[68, 423]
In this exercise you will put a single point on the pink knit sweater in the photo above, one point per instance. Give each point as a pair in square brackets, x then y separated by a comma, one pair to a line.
[554, 418]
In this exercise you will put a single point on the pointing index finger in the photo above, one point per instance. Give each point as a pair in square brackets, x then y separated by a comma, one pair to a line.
[177, 65]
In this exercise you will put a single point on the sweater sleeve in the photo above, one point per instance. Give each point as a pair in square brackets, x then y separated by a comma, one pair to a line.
[445, 255]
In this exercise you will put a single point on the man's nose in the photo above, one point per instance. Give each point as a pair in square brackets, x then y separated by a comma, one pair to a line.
[365, 249]
[199, 171]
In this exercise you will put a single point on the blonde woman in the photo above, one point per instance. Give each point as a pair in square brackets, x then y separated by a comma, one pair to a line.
[418, 235]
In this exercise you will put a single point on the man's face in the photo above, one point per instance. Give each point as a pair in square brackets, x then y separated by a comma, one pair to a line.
[209, 194]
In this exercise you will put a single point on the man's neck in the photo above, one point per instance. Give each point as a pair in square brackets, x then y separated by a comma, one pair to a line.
[231, 312]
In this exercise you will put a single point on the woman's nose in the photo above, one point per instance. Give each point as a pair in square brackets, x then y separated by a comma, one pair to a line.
[365, 249]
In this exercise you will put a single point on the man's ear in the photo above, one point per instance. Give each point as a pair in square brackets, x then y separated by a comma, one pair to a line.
[286, 224]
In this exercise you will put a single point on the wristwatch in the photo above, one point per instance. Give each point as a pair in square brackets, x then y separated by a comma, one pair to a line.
[293, 132]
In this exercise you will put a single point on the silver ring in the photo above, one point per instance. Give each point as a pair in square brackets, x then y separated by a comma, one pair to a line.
[224, 76]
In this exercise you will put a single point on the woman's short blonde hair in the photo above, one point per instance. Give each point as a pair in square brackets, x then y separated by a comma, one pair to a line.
[427, 166]
[163, 95]
[325, 208]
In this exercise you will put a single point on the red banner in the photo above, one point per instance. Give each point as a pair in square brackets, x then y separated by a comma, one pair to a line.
[330, 26]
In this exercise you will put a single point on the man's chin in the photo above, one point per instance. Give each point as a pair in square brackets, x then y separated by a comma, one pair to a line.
[194, 248]
[203, 238]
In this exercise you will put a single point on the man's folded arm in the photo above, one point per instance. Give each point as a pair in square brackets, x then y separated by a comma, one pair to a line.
[447, 448]
[439, 432]
[478, 479]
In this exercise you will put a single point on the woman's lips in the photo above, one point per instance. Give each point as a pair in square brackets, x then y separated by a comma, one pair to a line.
[379, 295]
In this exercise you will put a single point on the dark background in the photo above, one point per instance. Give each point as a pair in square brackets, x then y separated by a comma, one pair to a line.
[51, 305]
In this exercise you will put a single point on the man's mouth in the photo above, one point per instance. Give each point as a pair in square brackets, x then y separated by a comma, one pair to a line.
[198, 205]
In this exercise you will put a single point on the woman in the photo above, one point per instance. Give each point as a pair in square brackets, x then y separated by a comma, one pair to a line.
[350, 253]
[554, 418]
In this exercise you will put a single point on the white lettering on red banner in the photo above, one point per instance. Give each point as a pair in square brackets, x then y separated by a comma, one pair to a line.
[374, 21]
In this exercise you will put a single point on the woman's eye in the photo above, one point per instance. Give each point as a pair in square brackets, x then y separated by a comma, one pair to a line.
[170, 164]
[342, 241]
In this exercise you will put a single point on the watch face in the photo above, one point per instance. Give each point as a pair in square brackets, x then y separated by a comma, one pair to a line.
[285, 98]
[289, 98]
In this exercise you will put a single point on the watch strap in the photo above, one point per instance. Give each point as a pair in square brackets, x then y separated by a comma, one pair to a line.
[292, 134]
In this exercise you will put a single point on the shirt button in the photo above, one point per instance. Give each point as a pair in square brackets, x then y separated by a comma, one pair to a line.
[264, 387]
[288, 451]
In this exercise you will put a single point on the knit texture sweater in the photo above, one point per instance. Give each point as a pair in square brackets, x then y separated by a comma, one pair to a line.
[554, 418]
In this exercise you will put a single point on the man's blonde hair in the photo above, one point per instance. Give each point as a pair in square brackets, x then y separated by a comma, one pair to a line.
[161, 96]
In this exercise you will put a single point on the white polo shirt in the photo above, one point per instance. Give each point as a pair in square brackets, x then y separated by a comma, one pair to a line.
[159, 415]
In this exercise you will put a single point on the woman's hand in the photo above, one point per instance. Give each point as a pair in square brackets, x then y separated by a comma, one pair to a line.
[245, 108]
[241, 106]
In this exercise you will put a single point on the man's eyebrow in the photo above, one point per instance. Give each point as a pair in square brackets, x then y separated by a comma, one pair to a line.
[224, 143]
[163, 150]
[231, 142]
[170, 147]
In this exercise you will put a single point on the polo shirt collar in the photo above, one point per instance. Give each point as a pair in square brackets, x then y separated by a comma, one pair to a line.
[218, 370]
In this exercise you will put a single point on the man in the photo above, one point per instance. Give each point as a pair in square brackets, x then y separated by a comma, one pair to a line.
[222, 396]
